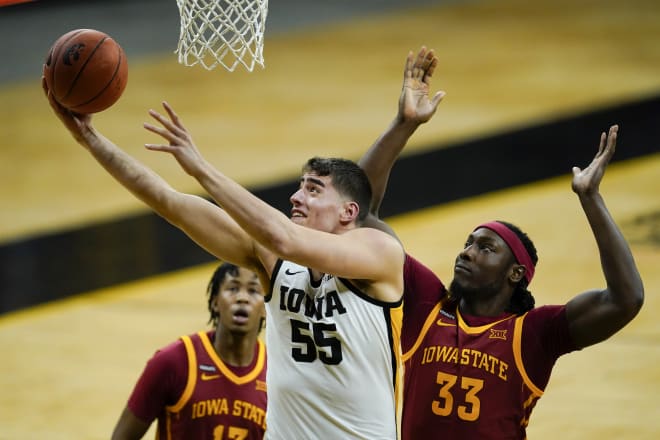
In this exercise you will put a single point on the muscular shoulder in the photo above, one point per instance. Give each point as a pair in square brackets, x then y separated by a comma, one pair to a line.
[389, 260]
[545, 338]
[388, 248]
[543, 316]
[547, 326]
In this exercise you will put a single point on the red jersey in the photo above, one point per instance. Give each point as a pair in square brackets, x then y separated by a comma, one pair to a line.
[469, 377]
[194, 394]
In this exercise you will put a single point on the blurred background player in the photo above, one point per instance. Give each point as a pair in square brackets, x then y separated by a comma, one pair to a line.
[211, 384]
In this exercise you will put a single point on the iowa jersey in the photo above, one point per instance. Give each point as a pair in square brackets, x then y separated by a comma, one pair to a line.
[334, 358]
[219, 402]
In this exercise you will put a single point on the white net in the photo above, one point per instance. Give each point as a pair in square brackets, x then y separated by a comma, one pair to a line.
[225, 32]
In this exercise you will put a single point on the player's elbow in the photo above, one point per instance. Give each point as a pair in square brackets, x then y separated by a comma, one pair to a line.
[632, 304]
[636, 296]
[172, 206]
[637, 301]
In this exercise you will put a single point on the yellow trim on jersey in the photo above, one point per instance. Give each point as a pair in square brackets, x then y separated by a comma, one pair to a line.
[238, 380]
[192, 376]
[422, 333]
[396, 320]
[474, 330]
[517, 355]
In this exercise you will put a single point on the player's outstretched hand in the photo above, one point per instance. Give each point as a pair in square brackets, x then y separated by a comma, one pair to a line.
[180, 145]
[414, 102]
[79, 125]
[587, 181]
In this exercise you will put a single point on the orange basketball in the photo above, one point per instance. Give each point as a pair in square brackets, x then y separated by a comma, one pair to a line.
[86, 70]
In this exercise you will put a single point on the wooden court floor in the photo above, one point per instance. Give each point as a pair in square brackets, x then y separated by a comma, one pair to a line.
[68, 367]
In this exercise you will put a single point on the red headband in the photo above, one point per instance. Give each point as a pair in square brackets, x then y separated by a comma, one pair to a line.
[514, 243]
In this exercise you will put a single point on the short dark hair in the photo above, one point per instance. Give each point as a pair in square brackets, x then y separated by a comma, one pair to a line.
[349, 179]
[214, 287]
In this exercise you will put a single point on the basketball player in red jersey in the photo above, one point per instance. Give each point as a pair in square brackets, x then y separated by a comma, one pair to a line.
[212, 384]
[478, 357]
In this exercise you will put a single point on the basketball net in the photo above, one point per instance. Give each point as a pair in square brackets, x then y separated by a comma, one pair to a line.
[225, 32]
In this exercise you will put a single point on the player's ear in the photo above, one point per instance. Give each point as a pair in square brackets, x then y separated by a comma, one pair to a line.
[349, 213]
[517, 273]
[214, 304]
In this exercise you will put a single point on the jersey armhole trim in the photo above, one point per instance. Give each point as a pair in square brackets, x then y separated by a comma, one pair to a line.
[517, 355]
[273, 277]
[430, 319]
[192, 373]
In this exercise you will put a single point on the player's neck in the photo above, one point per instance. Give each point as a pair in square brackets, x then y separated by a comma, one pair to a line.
[481, 307]
[236, 349]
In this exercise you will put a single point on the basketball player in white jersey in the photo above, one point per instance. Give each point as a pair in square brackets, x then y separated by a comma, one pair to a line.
[335, 302]
[334, 309]
[334, 306]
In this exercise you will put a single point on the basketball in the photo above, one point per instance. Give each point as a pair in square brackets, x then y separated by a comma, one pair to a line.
[86, 71]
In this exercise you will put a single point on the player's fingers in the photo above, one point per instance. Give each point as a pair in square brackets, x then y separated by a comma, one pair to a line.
[611, 142]
[160, 118]
[407, 72]
[430, 69]
[170, 112]
[165, 133]
[167, 123]
[174, 116]
[422, 70]
[603, 143]
[60, 111]
[417, 73]
[44, 86]
[418, 68]
[421, 55]
[428, 59]
[160, 147]
[437, 98]
[613, 134]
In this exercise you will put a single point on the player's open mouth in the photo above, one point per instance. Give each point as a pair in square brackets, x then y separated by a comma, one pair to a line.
[240, 316]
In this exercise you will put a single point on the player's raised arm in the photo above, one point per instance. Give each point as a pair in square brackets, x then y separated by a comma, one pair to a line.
[205, 223]
[596, 315]
[415, 108]
[320, 237]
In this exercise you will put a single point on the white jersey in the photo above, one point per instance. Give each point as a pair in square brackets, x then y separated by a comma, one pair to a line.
[333, 359]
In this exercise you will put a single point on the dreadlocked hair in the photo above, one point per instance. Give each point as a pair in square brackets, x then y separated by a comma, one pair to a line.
[522, 300]
[214, 287]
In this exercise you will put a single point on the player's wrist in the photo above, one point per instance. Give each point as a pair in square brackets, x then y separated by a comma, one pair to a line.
[406, 123]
